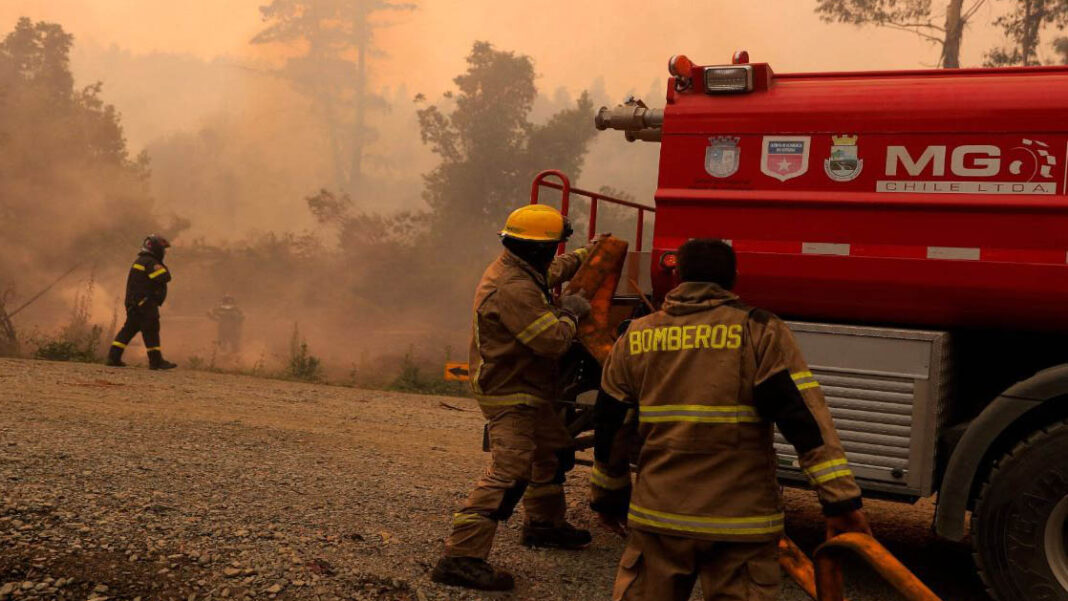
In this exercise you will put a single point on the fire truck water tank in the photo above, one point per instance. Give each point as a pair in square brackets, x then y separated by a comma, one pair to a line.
[933, 198]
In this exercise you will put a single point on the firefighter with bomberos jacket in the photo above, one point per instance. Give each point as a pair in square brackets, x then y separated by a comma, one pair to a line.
[146, 290]
[708, 377]
[519, 336]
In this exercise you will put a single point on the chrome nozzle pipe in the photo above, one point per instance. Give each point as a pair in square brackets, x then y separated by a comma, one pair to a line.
[632, 116]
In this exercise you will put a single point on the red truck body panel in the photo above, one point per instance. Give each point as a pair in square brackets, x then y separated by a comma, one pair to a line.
[932, 198]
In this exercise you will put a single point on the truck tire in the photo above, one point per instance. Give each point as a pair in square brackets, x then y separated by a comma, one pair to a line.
[1020, 523]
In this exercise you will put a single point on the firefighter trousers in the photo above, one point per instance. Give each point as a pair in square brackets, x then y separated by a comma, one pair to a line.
[526, 444]
[658, 567]
[144, 319]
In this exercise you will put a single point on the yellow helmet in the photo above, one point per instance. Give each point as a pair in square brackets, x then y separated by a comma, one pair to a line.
[538, 223]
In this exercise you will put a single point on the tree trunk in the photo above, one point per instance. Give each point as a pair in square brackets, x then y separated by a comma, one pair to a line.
[9, 339]
[954, 32]
[1034, 15]
[322, 91]
[326, 101]
[360, 29]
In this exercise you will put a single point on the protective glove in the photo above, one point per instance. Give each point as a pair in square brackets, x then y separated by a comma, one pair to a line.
[854, 521]
[576, 305]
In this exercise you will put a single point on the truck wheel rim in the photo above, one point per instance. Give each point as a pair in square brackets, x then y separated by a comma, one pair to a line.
[1057, 542]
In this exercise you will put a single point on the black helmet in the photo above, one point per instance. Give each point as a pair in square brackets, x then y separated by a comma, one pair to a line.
[155, 245]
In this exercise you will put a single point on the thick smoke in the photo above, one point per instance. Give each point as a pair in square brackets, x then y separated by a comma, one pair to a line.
[236, 159]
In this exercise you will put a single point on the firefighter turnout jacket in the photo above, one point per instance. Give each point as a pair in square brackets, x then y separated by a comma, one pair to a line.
[147, 282]
[708, 377]
[517, 340]
[518, 333]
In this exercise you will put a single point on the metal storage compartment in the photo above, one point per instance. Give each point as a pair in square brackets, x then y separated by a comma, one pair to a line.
[887, 390]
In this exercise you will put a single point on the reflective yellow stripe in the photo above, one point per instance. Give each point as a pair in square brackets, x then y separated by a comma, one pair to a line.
[769, 529]
[118, 344]
[538, 326]
[804, 380]
[705, 414]
[157, 273]
[581, 253]
[707, 408]
[138, 267]
[704, 529]
[459, 519]
[567, 319]
[828, 470]
[760, 524]
[603, 480]
[505, 400]
[535, 492]
[750, 519]
[695, 419]
[833, 475]
[819, 467]
[153, 348]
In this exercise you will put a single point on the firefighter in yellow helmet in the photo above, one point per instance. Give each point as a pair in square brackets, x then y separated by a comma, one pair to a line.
[708, 377]
[518, 337]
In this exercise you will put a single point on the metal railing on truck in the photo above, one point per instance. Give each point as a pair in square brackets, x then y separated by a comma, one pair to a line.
[458, 371]
[566, 190]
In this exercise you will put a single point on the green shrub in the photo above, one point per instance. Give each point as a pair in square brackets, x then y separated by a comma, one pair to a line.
[302, 364]
[82, 348]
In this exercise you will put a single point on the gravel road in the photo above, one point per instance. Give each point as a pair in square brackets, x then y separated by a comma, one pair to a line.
[127, 484]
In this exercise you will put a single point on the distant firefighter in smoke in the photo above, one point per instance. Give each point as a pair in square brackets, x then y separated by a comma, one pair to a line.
[146, 289]
[229, 318]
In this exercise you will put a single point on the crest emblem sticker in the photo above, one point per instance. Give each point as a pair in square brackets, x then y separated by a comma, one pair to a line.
[844, 165]
[722, 156]
[784, 157]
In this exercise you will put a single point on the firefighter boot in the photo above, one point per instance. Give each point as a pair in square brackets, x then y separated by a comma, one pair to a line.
[471, 572]
[115, 357]
[564, 536]
[156, 361]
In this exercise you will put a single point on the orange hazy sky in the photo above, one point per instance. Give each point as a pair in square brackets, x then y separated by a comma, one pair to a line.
[626, 41]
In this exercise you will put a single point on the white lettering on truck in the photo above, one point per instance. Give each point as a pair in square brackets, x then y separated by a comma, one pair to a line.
[986, 161]
[968, 161]
[984, 167]
[900, 154]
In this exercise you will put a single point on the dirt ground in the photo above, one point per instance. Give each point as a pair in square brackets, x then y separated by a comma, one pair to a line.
[126, 484]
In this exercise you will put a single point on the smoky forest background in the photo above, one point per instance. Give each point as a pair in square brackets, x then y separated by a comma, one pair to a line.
[349, 221]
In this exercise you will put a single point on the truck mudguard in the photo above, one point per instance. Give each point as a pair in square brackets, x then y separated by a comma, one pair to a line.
[1009, 407]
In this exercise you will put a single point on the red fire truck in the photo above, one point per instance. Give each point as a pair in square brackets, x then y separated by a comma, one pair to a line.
[913, 226]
